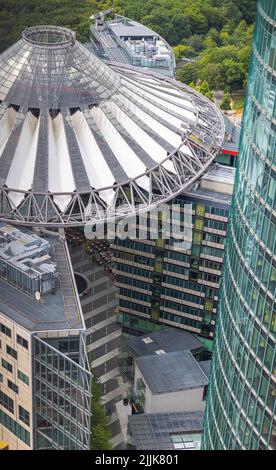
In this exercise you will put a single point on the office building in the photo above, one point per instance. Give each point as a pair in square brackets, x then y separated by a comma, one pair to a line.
[45, 381]
[241, 409]
[162, 285]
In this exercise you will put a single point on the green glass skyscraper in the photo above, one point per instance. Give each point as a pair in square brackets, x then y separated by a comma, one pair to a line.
[241, 411]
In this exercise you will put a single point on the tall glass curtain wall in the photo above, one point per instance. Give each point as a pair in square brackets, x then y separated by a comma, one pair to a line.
[62, 393]
[240, 411]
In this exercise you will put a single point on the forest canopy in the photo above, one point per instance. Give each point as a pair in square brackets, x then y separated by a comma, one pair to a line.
[217, 33]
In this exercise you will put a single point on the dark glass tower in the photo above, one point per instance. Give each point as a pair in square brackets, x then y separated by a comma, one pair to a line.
[240, 411]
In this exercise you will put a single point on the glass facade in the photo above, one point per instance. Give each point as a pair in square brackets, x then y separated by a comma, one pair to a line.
[62, 394]
[163, 285]
[241, 406]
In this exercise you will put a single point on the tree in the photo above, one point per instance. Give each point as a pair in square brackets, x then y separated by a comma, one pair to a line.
[188, 73]
[226, 102]
[181, 51]
[205, 90]
[213, 73]
[101, 433]
[233, 72]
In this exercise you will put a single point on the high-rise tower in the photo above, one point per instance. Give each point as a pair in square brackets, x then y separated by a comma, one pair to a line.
[241, 410]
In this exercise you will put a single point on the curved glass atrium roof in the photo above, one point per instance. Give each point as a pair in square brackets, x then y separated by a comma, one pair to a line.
[82, 140]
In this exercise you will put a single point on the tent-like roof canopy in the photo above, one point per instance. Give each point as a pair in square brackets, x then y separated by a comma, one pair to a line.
[82, 140]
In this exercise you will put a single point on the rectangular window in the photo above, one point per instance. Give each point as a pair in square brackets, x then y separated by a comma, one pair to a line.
[12, 386]
[200, 210]
[24, 415]
[23, 342]
[11, 352]
[199, 224]
[4, 329]
[14, 427]
[24, 378]
[197, 238]
[6, 401]
[7, 365]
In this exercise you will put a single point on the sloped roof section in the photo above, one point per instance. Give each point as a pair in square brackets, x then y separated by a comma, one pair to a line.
[86, 141]
[49, 68]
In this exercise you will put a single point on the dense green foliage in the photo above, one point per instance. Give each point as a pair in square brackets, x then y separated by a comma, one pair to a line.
[223, 59]
[203, 88]
[218, 31]
[16, 15]
[100, 429]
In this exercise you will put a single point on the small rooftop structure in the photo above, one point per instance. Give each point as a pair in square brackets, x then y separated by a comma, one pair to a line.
[217, 184]
[128, 28]
[219, 178]
[26, 262]
[171, 372]
[37, 289]
[168, 340]
[164, 431]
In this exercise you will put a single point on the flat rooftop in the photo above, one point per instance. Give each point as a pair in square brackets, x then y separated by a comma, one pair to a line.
[171, 372]
[168, 340]
[216, 184]
[160, 430]
[220, 174]
[57, 310]
[125, 27]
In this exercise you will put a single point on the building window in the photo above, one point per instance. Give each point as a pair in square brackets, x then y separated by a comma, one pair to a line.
[12, 386]
[24, 378]
[23, 342]
[14, 427]
[199, 224]
[7, 365]
[7, 402]
[186, 441]
[197, 238]
[11, 352]
[5, 330]
[24, 415]
[1, 378]
[200, 210]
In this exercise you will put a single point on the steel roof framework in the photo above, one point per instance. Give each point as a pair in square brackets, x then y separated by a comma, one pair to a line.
[200, 139]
